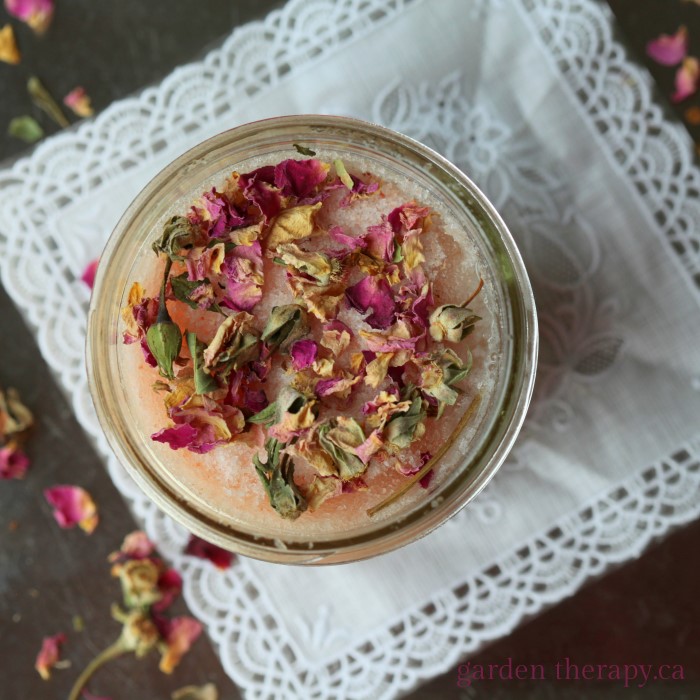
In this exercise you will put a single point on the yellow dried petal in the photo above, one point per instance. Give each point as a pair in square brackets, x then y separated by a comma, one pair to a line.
[377, 369]
[136, 295]
[292, 224]
[9, 53]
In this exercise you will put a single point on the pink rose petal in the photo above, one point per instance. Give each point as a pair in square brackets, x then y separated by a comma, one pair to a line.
[137, 545]
[176, 437]
[303, 354]
[407, 217]
[79, 102]
[259, 188]
[380, 241]
[299, 177]
[337, 234]
[73, 506]
[220, 558]
[49, 655]
[669, 50]
[687, 77]
[373, 293]
[179, 634]
[170, 587]
[36, 13]
[13, 463]
[89, 273]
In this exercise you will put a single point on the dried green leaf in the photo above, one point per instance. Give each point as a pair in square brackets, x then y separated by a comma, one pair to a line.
[303, 150]
[266, 416]
[203, 381]
[339, 438]
[164, 337]
[277, 477]
[42, 98]
[25, 128]
[235, 344]
[286, 324]
[404, 428]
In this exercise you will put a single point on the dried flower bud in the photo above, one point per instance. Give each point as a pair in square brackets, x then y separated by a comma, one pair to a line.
[452, 323]
[139, 580]
[164, 337]
[177, 234]
[139, 632]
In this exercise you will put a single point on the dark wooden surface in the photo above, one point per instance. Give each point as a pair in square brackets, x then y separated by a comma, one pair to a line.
[647, 611]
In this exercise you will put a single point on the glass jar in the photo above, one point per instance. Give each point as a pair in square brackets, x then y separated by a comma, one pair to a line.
[193, 493]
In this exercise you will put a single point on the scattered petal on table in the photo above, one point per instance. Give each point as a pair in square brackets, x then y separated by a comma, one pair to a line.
[669, 50]
[13, 462]
[686, 79]
[25, 128]
[89, 273]
[79, 101]
[36, 13]
[197, 547]
[72, 506]
[178, 634]
[49, 655]
[9, 53]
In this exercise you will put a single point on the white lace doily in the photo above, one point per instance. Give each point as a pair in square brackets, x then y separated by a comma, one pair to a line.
[540, 105]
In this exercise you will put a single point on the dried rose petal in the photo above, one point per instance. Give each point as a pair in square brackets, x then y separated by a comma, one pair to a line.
[425, 480]
[49, 655]
[243, 270]
[687, 77]
[176, 437]
[300, 178]
[13, 462]
[9, 53]
[669, 50]
[136, 545]
[178, 634]
[170, 587]
[259, 188]
[380, 241]
[407, 217]
[337, 234]
[89, 273]
[375, 293]
[79, 101]
[73, 506]
[36, 13]
[303, 354]
[197, 547]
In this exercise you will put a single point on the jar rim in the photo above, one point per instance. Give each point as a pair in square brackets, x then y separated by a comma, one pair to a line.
[388, 535]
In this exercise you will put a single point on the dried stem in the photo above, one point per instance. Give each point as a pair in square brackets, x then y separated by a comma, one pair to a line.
[431, 463]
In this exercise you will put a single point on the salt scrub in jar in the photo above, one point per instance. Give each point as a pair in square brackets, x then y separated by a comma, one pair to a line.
[322, 298]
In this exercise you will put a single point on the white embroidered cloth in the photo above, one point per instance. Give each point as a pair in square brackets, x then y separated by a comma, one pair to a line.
[539, 104]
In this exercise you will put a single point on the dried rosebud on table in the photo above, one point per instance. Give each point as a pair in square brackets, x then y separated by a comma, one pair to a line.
[148, 588]
[15, 421]
[49, 655]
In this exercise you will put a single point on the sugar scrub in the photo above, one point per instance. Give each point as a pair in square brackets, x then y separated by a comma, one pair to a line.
[306, 340]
